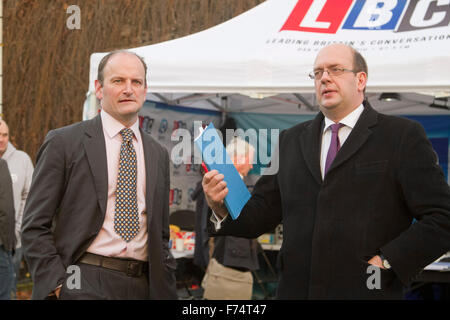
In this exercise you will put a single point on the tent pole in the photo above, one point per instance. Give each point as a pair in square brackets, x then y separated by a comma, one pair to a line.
[224, 101]
[215, 105]
[305, 102]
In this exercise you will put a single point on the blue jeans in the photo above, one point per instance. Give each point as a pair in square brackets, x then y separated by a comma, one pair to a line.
[6, 274]
[17, 259]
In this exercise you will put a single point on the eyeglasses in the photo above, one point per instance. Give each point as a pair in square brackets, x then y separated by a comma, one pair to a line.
[334, 72]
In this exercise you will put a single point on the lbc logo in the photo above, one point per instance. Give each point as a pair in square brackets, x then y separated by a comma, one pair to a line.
[326, 16]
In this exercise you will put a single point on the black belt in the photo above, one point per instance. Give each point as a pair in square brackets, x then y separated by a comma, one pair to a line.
[132, 268]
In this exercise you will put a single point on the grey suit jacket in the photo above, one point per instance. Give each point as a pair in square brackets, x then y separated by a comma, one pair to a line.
[7, 213]
[66, 207]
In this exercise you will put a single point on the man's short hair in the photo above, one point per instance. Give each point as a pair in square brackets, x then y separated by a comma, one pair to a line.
[359, 63]
[4, 122]
[106, 58]
[238, 147]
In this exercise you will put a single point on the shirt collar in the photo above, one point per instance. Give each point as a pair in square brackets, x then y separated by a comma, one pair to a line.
[349, 121]
[113, 127]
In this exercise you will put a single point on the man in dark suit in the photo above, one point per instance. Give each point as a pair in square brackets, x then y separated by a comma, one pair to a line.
[99, 200]
[7, 232]
[202, 247]
[349, 185]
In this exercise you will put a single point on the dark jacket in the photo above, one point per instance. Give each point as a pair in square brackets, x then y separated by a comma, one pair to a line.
[236, 252]
[385, 175]
[7, 212]
[201, 251]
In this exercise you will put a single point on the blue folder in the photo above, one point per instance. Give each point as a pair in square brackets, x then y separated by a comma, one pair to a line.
[215, 157]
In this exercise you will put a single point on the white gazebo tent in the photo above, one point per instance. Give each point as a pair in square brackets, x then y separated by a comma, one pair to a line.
[259, 61]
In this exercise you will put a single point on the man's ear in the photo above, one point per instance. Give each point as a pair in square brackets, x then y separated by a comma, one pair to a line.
[362, 81]
[98, 90]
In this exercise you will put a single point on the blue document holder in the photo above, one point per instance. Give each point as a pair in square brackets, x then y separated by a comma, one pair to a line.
[215, 157]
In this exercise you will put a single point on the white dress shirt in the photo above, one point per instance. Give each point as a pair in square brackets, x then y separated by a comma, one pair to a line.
[108, 242]
[349, 123]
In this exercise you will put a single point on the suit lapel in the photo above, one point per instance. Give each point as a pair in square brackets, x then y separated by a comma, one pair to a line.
[151, 172]
[94, 145]
[310, 142]
[357, 137]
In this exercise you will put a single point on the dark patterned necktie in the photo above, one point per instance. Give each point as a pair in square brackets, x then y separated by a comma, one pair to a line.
[126, 219]
[334, 145]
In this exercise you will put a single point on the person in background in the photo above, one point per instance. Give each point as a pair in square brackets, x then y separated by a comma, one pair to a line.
[203, 243]
[349, 185]
[7, 234]
[202, 247]
[21, 169]
[237, 253]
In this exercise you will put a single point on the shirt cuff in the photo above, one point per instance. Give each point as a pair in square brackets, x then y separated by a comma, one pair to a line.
[216, 220]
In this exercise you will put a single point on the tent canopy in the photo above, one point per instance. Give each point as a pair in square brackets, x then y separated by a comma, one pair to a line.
[269, 50]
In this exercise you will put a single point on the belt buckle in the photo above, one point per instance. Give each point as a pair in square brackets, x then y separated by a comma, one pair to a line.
[133, 268]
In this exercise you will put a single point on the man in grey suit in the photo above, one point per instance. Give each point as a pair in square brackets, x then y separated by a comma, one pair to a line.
[7, 234]
[349, 186]
[99, 200]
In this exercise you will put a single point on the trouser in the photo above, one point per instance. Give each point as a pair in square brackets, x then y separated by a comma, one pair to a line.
[99, 283]
[17, 260]
[6, 274]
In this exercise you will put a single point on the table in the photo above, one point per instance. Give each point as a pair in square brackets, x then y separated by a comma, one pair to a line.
[435, 272]
[182, 254]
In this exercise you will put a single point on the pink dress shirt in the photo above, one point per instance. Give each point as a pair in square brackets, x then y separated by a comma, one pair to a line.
[108, 243]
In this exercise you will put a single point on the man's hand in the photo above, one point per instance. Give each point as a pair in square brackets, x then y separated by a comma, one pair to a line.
[215, 190]
[57, 291]
[376, 261]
